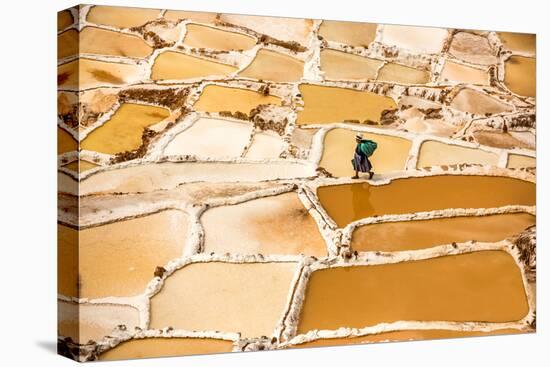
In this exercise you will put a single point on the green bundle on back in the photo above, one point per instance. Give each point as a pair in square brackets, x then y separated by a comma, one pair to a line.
[367, 147]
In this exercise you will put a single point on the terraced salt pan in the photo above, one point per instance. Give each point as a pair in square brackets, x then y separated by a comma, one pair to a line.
[168, 175]
[196, 16]
[420, 234]
[469, 100]
[396, 73]
[80, 166]
[265, 145]
[65, 142]
[402, 335]
[201, 36]
[284, 29]
[435, 153]
[120, 258]
[519, 42]
[350, 33]
[480, 286]
[211, 138]
[520, 161]
[215, 98]
[418, 39]
[190, 298]
[121, 17]
[67, 261]
[166, 347]
[349, 202]
[520, 75]
[500, 140]
[85, 322]
[343, 65]
[459, 73]
[274, 66]
[64, 19]
[99, 41]
[339, 146]
[67, 44]
[271, 225]
[123, 131]
[176, 65]
[86, 73]
[330, 104]
[472, 48]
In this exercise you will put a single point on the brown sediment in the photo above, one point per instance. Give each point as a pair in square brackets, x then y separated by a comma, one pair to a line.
[331, 104]
[119, 259]
[176, 65]
[171, 98]
[350, 202]
[484, 286]
[435, 153]
[285, 228]
[343, 65]
[499, 140]
[87, 73]
[520, 75]
[274, 66]
[124, 130]
[472, 48]
[397, 73]
[403, 335]
[350, 33]
[420, 234]
[190, 298]
[121, 17]
[339, 144]
[209, 37]
[64, 19]
[166, 347]
[216, 98]
[67, 261]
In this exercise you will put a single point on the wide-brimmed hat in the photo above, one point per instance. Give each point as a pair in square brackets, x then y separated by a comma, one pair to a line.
[359, 137]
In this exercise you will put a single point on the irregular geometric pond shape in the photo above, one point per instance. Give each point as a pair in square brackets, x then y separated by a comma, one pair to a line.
[500, 139]
[265, 145]
[520, 75]
[85, 322]
[215, 98]
[519, 42]
[343, 65]
[274, 66]
[166, 347]
[123, 131]
[284, 29]
[201, 36]
[417, 39]
[469, 100]
[521, 161]
[248, 228]
[64, 19]
[350, 33]
[402, 335]
[87, 73]
[249, 298]
[331, 104]
[121, 17]
[168, 175]
[99, 41]
[339, 146]
[120, 258]
[420, 234]
[211, 138]
[349, 202]
[396, 73]
[472, 48]
[176, 65]
[484, 286]
[67, 44]
[435, 153]
[196, 16]
[81, 166]
[459, 73]
[65, 142]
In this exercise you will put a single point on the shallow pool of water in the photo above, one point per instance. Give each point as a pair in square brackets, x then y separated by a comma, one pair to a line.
[215, 98]
[435, 153]
[350, 33]
[342, 65]
[520, 75]
[176, 65]
[201, 36]
[274, 66]
[396, 73]
[121, 17]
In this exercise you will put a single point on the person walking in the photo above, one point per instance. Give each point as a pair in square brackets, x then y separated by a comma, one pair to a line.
[364, 149]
